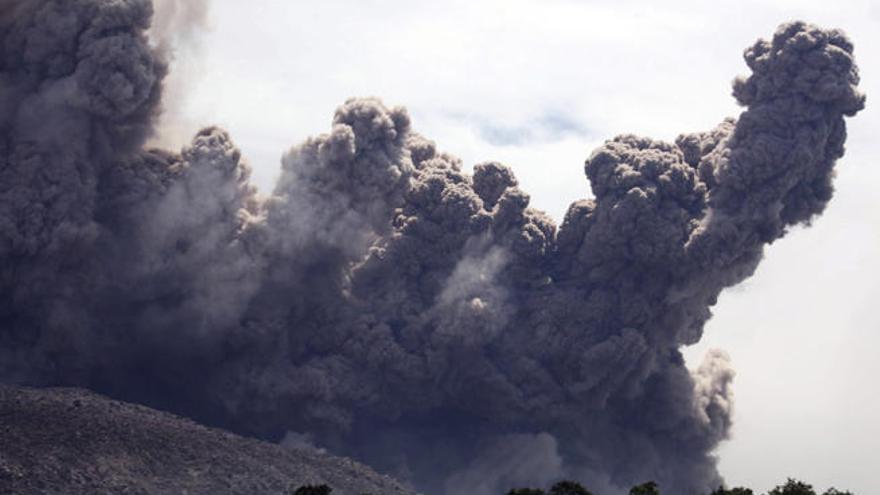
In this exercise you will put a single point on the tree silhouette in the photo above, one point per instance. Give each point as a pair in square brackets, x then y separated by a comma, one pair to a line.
[649, 488]
[790, 487]
[313, 490]
[793, 487]
[732, 491]
[569, 488]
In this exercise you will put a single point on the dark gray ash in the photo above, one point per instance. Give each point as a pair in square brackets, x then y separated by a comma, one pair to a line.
[381, 301]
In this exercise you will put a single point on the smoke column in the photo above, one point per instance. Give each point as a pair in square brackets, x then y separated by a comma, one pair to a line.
[381, 302]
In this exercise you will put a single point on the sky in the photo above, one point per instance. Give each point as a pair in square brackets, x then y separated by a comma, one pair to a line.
[538, 85]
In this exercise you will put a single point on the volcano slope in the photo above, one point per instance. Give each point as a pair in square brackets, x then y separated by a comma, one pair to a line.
[71, 441]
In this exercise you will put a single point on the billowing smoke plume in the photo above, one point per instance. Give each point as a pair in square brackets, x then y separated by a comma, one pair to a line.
[382, 302]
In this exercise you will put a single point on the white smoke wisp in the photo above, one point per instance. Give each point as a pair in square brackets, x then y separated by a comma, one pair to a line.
[177, 30]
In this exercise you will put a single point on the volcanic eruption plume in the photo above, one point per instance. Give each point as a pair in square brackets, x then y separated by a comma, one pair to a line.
[382, 302]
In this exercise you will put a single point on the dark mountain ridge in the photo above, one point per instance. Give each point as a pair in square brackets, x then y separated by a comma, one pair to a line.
[72, 441]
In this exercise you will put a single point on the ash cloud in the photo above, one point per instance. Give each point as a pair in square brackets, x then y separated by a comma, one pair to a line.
[383, 303]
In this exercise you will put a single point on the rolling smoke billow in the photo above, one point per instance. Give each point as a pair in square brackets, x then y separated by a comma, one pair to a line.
[382, 303]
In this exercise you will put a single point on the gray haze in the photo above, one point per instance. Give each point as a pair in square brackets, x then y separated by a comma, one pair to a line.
[177, 32]
[382, 303]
